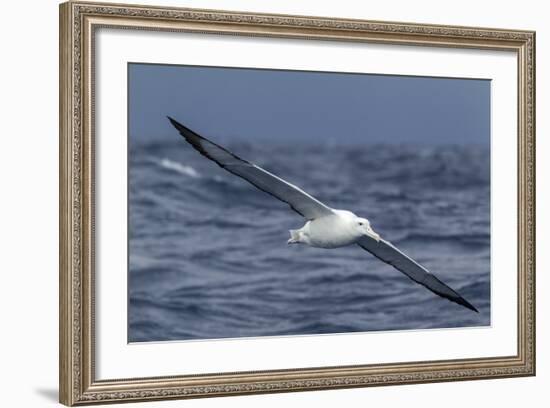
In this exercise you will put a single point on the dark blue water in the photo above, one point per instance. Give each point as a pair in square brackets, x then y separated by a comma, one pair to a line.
[208, 254]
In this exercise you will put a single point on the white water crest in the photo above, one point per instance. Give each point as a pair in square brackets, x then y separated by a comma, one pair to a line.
[180, 168]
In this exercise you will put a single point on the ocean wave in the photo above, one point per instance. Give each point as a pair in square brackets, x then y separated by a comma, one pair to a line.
[208, 254]
[180, 168]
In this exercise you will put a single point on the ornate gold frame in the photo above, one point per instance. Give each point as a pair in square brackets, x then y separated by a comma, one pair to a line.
[78, 21]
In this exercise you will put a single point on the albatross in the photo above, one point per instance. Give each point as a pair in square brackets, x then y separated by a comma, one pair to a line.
[325, 227]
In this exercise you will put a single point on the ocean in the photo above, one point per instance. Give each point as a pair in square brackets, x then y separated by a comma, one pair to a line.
[208, 256]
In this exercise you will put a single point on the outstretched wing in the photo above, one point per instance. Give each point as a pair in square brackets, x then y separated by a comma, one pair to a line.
[386, 252]
[295, 197]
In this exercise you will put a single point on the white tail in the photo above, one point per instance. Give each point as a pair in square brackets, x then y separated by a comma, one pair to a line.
[294, 236]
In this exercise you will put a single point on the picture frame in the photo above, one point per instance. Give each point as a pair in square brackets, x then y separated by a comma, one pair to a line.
[80, 23]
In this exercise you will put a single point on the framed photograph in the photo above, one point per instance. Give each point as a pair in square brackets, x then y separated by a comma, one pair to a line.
[256, 203]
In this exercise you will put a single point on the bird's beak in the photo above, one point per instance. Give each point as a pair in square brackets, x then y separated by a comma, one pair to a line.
[373, 235]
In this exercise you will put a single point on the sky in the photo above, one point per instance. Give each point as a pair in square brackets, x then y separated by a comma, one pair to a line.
[228, 104]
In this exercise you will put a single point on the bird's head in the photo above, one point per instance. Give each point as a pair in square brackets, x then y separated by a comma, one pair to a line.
[362, 226]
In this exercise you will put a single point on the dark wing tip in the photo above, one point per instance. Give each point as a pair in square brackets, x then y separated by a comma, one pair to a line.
[453, 297]
[466, 304]
[174, 122]
[193, 138]
[182, 129]
[456, 297]
[202, 144]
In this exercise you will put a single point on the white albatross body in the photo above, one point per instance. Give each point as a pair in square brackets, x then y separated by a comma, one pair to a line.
[325, 227]
[336, 230]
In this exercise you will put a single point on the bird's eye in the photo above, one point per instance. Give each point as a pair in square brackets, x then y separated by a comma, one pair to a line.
[360, 223]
